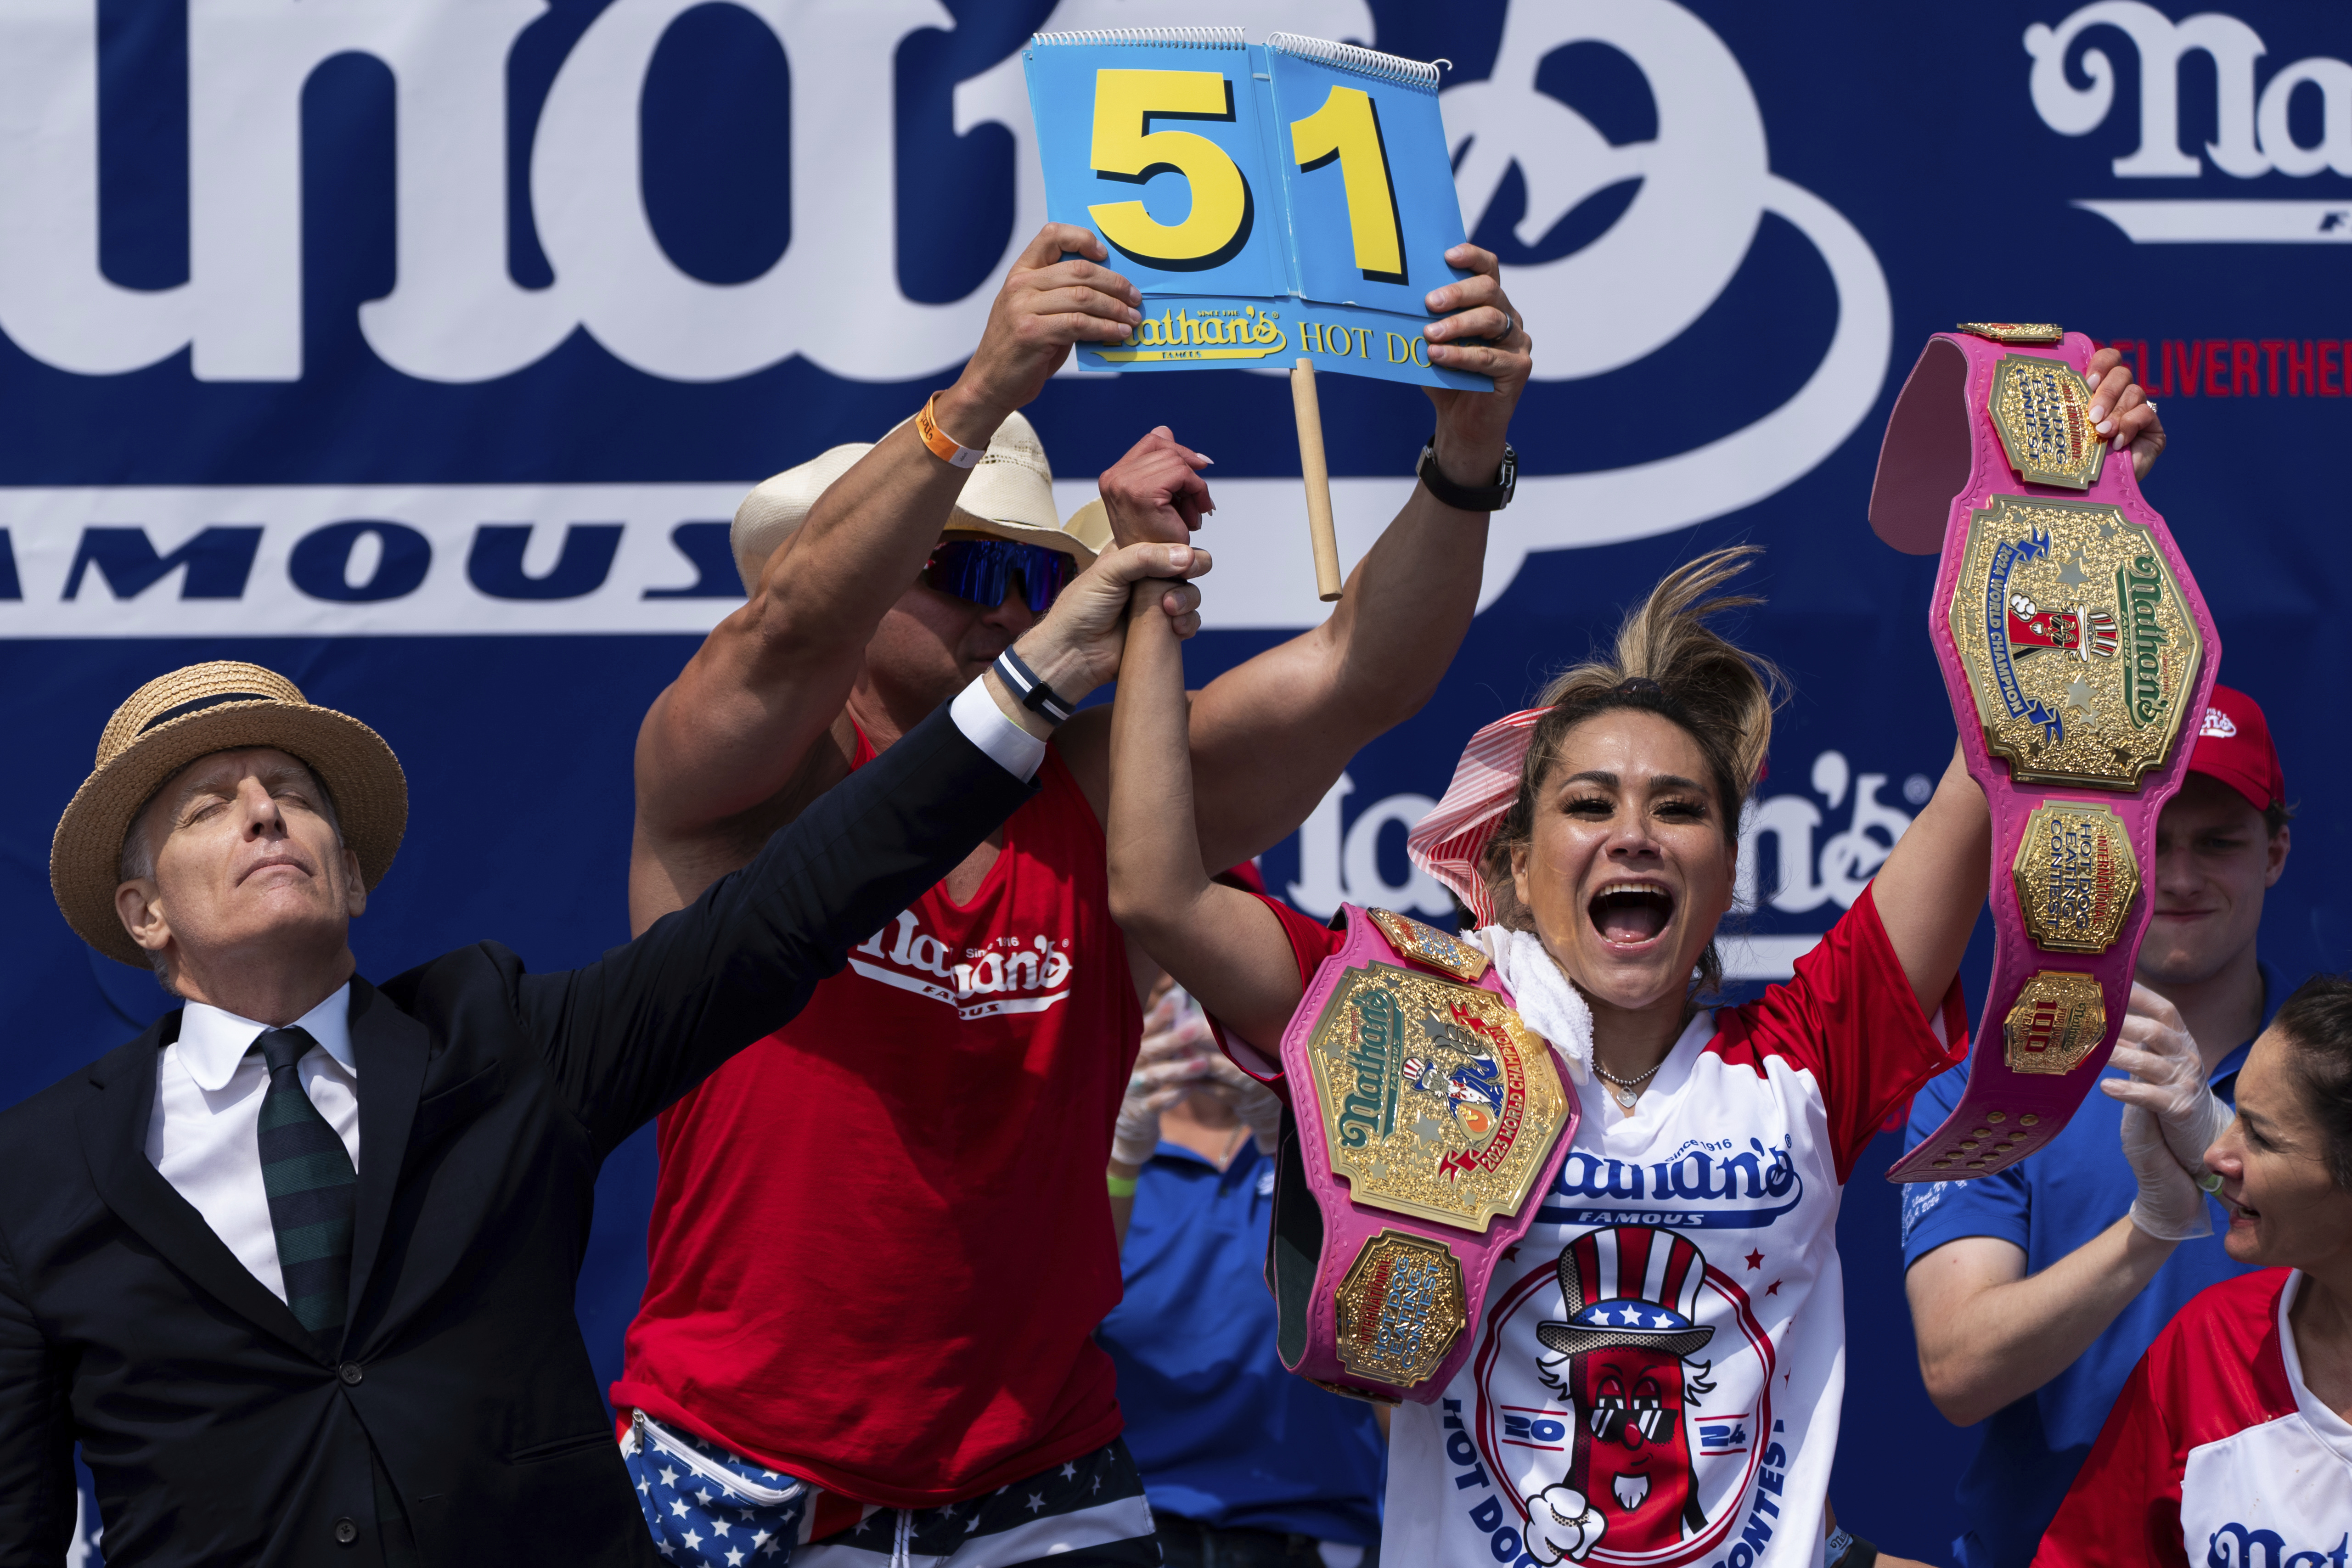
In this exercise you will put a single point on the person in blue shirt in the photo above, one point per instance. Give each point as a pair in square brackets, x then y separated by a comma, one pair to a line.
[2035, 1291]
[1245, 1465]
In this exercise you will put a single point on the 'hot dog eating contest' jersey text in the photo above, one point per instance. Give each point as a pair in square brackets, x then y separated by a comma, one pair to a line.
[1659, 1363]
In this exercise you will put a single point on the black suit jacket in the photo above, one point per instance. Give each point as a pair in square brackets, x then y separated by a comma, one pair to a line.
[219, 1430]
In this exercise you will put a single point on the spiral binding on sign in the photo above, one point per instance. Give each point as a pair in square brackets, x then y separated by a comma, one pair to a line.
[1366, 62]
[1166, 38]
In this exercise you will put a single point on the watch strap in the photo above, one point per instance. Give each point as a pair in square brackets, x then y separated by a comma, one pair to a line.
[1467, 498]
[1033, 692]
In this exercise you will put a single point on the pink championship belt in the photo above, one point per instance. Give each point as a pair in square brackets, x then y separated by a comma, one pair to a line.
[1426, 1118]
[2072, 642]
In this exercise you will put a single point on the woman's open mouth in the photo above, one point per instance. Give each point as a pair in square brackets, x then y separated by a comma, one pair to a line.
[1631, 914]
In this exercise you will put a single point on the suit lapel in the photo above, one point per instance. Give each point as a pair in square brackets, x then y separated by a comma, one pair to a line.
[113, 1127]
[391, 1047]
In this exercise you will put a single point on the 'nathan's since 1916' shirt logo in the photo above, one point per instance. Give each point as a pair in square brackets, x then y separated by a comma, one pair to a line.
[1658, 1370]
[1004, 974]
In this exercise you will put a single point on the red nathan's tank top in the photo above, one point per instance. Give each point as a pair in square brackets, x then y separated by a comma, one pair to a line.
[880, 1240]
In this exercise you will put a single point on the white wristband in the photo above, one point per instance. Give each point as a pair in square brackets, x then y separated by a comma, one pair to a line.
[984, 724]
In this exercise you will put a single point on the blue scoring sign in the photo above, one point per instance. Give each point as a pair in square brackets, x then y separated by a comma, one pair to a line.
[1309, 210]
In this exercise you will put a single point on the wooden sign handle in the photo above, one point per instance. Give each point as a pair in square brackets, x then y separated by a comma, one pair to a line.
[1318, 480]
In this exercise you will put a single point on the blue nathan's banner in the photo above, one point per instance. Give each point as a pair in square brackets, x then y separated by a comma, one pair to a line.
[420, 349]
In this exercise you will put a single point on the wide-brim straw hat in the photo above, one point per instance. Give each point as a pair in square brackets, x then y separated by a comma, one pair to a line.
[1009, 494]
[190, 712]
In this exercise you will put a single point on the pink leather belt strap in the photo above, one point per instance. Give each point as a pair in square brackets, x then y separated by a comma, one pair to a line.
[1426, 1122]
[2075, 647]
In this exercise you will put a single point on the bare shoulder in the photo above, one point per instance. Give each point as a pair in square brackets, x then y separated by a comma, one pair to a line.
[670, 867]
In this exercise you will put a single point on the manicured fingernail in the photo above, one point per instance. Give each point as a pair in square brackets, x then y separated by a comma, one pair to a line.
[2098, 411]
[2106, 427]
[1206, 458]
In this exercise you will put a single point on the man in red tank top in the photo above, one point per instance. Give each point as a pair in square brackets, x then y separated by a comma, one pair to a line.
[881, 1240]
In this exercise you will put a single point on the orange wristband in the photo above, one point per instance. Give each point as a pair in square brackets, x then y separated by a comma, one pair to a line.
[943, 446]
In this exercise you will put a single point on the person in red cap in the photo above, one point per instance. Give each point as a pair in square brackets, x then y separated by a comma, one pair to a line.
[2035, 1291]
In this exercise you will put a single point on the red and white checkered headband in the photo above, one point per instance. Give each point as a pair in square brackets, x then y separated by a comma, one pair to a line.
[1449, 842]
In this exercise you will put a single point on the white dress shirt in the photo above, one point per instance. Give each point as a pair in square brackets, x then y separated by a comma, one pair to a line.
[984, 724]
[204, 1135]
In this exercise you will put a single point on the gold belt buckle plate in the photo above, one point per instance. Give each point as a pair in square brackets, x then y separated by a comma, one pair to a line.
[1401, 1307]
[1436, 1101]
[2076, 876]
[2056, 1021]
[2080, 651]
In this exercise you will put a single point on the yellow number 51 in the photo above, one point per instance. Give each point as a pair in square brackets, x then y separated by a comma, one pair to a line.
[1348, 128]
[1126, 148]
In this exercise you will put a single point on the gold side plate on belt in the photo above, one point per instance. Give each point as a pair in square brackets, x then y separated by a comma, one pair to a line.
[2076, 876]
[2057, 1021]
[2014, 331]
[1400, 1308]
[2042, 411]
[1436, 1100]
[1428, 944]
[2080, 650]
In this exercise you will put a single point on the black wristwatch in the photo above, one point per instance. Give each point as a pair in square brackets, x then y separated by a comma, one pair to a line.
[1490, 498]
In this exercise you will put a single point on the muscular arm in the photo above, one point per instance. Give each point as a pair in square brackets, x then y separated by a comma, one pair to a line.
[735, 727]
[1989, 1334]
[1313, 702]
[1221, 944]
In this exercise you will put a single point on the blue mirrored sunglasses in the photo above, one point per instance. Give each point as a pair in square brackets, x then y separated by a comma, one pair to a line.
[978, 572]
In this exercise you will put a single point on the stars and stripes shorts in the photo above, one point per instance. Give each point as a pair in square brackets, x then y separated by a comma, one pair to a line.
[710, 1509]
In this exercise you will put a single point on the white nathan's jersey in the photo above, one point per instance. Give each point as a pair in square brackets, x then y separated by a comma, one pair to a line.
[1660, 1362]
[2217, 1454]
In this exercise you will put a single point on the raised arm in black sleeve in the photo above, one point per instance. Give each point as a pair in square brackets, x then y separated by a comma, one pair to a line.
[637, 1028]
[36, 1474]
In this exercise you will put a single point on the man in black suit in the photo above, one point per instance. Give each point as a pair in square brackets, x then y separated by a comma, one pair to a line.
[295, 1267]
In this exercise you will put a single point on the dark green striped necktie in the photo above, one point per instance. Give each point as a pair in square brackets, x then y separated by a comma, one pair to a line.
[313, 1189]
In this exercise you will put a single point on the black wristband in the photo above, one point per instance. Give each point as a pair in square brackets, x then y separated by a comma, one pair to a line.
[1856, 1552]
[1485, 499]
[1034, 694]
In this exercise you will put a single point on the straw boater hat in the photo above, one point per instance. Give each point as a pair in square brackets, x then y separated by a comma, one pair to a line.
[175, 719]
[1010, 494]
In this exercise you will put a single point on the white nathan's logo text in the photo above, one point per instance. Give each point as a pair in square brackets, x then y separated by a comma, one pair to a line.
[2254, 131]
[456, 314]
[1004, 974]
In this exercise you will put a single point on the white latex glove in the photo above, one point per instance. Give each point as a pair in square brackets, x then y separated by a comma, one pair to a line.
[2169, 1206]
[2167, 1079]
[1253, 1102]
[1177, 1054]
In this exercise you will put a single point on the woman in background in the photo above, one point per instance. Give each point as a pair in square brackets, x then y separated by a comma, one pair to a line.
[2231, 1446]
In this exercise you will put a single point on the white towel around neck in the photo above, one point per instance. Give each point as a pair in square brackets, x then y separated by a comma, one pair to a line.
[1546, 1001]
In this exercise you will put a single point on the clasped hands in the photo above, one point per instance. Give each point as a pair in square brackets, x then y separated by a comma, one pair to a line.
[2170, 1117]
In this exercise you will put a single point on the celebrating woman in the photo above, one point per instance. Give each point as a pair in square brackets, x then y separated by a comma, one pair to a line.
[1659, 1363]
[2232, 1442]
